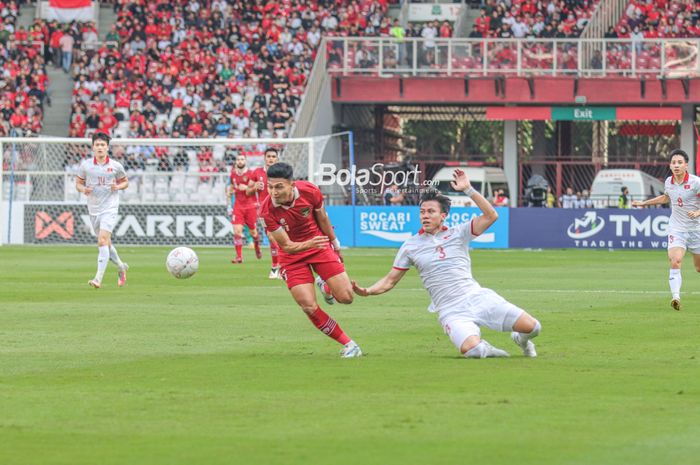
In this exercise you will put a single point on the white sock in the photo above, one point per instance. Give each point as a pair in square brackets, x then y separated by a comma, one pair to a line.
[114, 257]
[674, 281]
[524, 337]
[102, 261]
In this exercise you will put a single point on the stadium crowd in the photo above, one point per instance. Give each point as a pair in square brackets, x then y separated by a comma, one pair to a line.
[209, 68]
[24, 80]
[533, 18]
[652, 19]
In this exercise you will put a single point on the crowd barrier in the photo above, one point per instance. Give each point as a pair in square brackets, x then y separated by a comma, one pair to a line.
[365, 226]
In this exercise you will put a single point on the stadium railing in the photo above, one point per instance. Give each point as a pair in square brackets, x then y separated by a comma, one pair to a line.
[385, 57]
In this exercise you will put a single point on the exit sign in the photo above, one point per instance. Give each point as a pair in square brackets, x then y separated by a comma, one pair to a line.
[532, 113]
[584, 113]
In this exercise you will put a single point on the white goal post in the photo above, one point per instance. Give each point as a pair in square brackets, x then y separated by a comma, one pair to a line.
[176, 191]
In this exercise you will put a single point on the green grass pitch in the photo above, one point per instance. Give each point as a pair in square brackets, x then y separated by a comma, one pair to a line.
[225, 369]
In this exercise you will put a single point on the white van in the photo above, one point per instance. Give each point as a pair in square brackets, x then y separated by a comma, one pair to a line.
[607, 186]
[484, 180]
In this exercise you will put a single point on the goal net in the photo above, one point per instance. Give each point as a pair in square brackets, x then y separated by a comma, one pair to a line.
[176, 194]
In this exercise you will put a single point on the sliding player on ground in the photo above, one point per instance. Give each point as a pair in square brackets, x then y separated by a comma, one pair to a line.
[100, 179]
[295, 218]
[682, 190]
[441, 256]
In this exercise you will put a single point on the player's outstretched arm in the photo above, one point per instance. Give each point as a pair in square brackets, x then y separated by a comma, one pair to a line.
[291, 247]
[385, 284]
[324, 223]
[489, 215]
[660, 200]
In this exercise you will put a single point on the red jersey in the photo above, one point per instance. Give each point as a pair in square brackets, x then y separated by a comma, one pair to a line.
[243, 200]
[261, 176]
[297, 219]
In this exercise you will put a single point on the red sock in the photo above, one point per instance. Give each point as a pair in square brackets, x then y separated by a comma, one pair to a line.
[274, 252]
[328, 326]
[238, 242]
[256, 243]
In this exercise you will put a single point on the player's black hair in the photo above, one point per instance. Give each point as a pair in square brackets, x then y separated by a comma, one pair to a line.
[281, 170]
[678, 152]
[274, 150]
[100, 136]
[433, 194]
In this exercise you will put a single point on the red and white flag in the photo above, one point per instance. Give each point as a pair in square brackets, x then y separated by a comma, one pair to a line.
[66, 11]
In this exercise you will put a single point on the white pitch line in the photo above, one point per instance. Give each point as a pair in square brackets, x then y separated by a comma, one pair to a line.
[593, 291]
[544, 291]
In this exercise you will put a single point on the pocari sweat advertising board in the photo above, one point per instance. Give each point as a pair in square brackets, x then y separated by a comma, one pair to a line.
[379, 226]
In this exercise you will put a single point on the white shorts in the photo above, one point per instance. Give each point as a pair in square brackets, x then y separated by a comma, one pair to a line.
[689, 240]
[104, 221]
[483, 308]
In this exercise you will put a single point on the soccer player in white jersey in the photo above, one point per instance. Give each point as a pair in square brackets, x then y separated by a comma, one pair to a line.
[441, 255]
[100, 179]
[682, 190]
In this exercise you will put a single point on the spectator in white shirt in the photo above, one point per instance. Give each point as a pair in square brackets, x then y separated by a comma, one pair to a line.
[329, 23]
[313, 37]
[569, 199]
[520, 29]
[585, 200]
[429, 33]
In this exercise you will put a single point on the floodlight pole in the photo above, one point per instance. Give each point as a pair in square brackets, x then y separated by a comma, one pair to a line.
[353, 196]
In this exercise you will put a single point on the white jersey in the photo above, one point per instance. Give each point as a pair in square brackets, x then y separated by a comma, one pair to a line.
[101, 178]
[442, 260]
[684, 199]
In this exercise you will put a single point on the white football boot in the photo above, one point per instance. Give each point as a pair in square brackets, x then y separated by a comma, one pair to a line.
[350, 350]
[528, 347]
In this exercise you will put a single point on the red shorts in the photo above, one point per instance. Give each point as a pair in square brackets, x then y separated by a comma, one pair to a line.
[326, 264]
[245, 216]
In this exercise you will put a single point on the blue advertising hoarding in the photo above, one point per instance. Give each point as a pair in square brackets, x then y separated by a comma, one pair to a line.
[589, 229]
[379, 226]
[341, 218]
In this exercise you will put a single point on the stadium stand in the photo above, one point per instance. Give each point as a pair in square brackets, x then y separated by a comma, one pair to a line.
[653, 19]
[24, 80]
[552, 19]
[210, 68]
[200, 70]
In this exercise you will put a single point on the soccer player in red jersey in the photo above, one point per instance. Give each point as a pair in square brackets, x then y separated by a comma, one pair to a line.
[271, 157]
[294, 216]
[244, 207]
